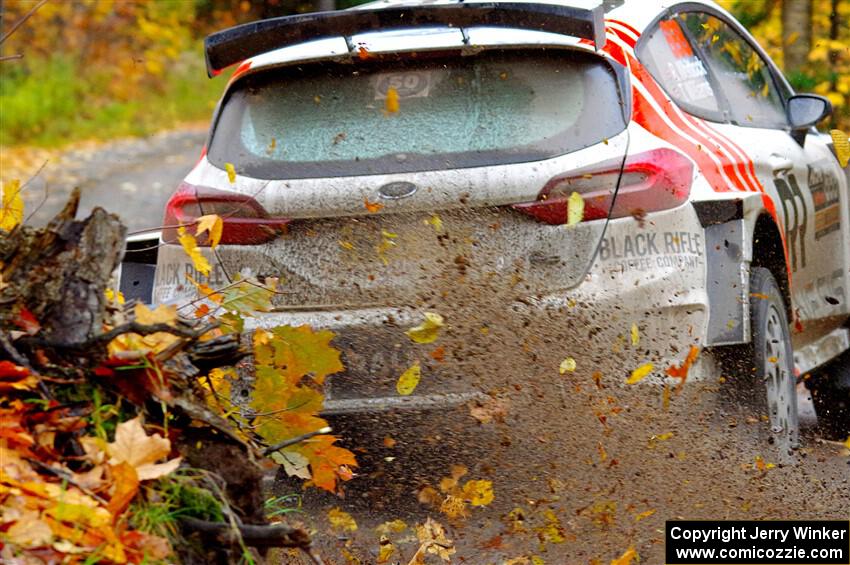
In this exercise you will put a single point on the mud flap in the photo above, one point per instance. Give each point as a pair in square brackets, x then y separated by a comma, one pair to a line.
[727, 271]
[135, 275]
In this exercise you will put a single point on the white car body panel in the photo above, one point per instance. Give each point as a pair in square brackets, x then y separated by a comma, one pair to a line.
[663, 282]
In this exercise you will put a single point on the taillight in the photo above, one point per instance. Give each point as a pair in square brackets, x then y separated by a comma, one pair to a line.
[245, 221]
[659, 179]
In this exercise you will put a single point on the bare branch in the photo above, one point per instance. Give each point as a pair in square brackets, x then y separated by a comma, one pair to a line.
[297, 439]
[254, 535]
[20, 22]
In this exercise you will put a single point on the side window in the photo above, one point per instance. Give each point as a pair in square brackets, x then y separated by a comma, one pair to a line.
[668, 56]
[741, 73]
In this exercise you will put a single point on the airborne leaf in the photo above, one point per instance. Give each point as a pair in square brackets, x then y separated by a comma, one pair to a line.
[391, 102]
[841, 142]
[231, 172]
[635, 335]
[575, 209]
[372, 207]
[341, 520]
[11, 205]
[640, 373]
[428, 330]
[213, 225]
[409, 379]
[190, 246]
[479, 492]
[567, 365]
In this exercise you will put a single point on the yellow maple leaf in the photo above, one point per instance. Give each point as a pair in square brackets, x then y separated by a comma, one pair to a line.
[11, 205]
[341, 520]
[409, 379]
[190, 246]
[428, 330]
[212, 224]
[635, 335]
[231, 172]
[479, 492]
[640, 373]
[391, 102]
[575, 209]
[141, 451]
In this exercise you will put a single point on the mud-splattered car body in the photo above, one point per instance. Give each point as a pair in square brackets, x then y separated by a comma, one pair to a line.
[682, 195]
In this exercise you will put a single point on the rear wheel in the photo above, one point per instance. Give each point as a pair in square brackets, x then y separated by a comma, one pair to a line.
[765, 367]
[830, 388]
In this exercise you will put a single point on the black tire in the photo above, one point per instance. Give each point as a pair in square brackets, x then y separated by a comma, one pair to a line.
[763, 370]
[830, 387]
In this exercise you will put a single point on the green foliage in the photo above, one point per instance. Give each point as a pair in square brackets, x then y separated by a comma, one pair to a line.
[828, 69]
[171, 497]
[54, 101]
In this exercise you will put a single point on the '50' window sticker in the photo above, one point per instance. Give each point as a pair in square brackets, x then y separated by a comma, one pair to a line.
[408, 84]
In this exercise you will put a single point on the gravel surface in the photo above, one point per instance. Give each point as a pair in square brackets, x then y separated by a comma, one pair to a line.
[132, 177]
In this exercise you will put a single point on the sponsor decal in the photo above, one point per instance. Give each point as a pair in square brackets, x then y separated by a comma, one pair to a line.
[176, 273]
[796, 218]
[653, 250]
[823, 185]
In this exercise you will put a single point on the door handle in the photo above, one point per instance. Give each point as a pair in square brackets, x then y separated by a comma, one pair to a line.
[780, 164]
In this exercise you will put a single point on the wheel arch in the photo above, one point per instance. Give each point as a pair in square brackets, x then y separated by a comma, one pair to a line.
[768, 251]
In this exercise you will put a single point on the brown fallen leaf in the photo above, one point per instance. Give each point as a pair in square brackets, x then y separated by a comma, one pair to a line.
[141, 451]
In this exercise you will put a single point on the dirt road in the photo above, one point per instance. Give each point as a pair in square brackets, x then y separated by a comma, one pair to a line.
[569, 486]
[132, 178]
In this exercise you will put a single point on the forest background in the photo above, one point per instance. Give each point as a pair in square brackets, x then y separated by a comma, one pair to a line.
[100, 69]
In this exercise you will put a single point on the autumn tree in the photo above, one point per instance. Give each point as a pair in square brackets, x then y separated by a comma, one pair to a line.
[796, 33]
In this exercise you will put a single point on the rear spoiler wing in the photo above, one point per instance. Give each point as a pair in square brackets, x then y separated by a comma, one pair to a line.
[230, 46]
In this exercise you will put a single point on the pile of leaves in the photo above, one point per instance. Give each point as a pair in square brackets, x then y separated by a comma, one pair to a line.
[120, 438]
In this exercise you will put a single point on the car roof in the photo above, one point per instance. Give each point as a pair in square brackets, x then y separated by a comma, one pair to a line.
[638, 14]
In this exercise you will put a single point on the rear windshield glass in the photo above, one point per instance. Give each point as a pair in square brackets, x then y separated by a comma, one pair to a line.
[335, 119]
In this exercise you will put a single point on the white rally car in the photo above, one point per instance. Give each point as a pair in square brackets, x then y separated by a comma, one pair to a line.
[590, 167]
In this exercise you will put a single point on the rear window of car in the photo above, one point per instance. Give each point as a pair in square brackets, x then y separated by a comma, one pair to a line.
[334, 119]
